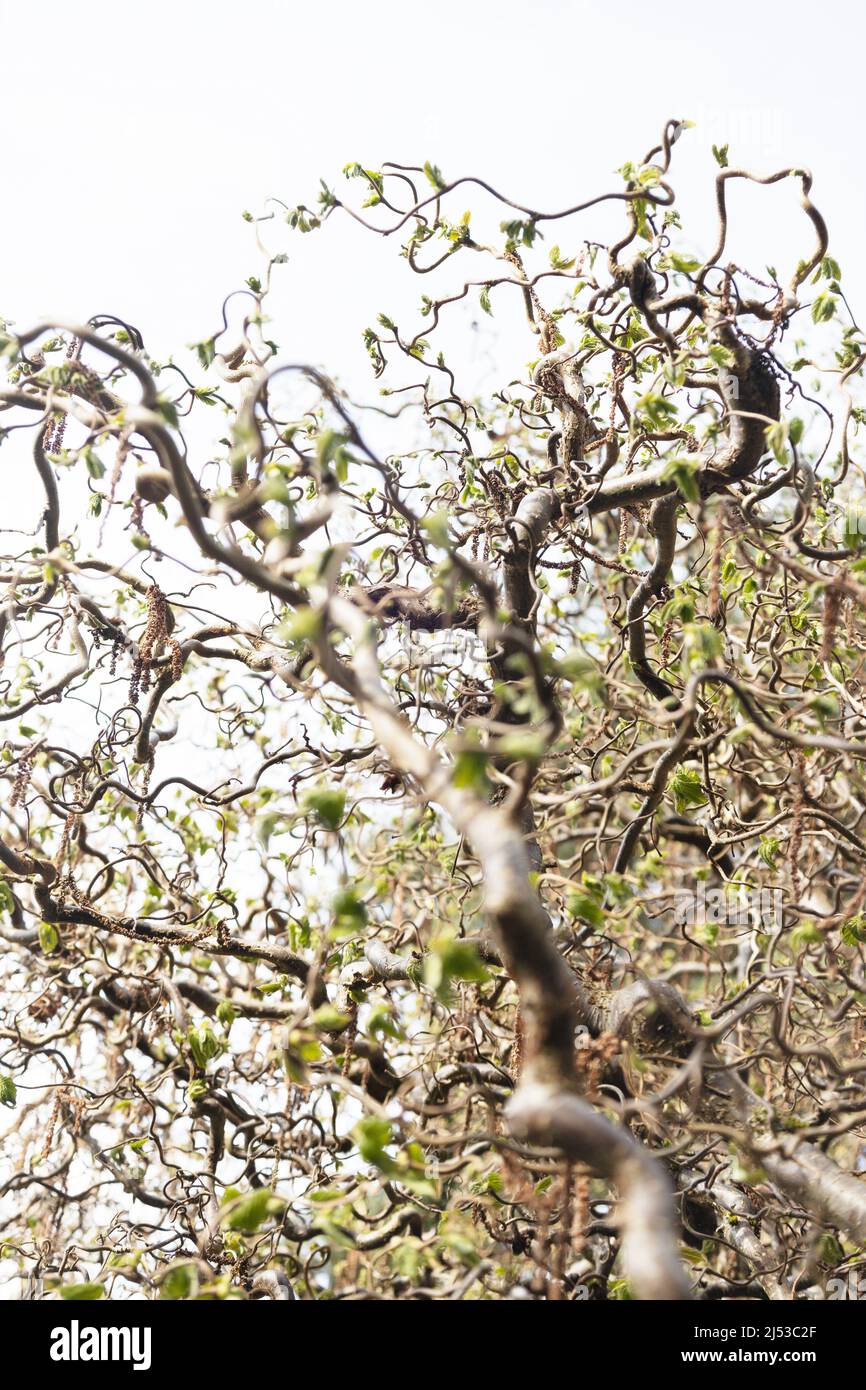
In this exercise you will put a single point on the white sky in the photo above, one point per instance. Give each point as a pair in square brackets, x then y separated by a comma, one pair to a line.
[134, 136]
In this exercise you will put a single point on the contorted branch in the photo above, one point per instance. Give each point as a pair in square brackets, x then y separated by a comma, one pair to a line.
[429, 817]
[545, 1109]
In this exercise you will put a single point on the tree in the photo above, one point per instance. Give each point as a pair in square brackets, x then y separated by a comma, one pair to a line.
[434, 869]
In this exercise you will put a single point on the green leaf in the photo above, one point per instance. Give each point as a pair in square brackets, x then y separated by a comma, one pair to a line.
[687, 789]
[266, 826]
[49, 939]
[93, 463]
[855, 526]
[470, 769]
[619, 1291]
[381, 1023]
[769, 850]
[179, 1281]
[580, 670]
[205, 351]
[371, 1134]
[451, 959]
[558, 261]
[491, 1182]
[350, 913]
[83, 1292]
[226, 1013]
[518, 231]
[823, 307]
[686, 264]
[246, 1214]
[805, 934]
[434, 175]
[776, 436]
[682, 472]
[205, 1044]
[328, 445]
[854, 930]
[8, 1091]
[437, 527]
[830, 1251]
[703, 641]
[168, 410]
[327, 804]
[659, 412]
[304, 625]
[584, 906]
[329, 1019]
[525, 746]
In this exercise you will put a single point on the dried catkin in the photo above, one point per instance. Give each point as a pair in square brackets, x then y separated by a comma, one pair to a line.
[830, 619]
[667, 638]
[120, 458]
[580, 1212]
[796, 840]
[116, 649]
[154, 636]
[517, 1048]
[55, 425]
[176, 660]
[715, 598]
[23, 775]
[561, 1238]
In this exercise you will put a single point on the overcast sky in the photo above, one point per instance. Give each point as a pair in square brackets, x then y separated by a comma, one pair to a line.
[135, 135]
